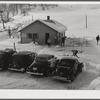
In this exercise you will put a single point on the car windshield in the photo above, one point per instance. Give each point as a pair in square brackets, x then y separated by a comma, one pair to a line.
[41, 59]
[67, 62]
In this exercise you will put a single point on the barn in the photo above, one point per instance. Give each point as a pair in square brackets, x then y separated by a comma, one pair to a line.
[40, 30]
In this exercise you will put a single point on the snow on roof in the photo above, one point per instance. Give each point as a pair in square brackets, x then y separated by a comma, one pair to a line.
[69, 57]
[23, 53]
[51, 23]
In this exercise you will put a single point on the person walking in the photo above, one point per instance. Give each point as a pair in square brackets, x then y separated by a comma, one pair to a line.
[75, 52]
[97, 39]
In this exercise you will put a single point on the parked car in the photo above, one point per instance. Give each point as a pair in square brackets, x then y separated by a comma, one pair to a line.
[6, 58]
[21, 60]
[41, 65]
[67, 69]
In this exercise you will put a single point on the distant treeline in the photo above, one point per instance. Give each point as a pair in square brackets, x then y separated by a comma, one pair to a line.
[10, 10]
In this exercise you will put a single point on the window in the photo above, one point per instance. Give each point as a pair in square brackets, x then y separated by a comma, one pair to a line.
[41, 59]
[32, 35]
[35, 35]
[67, 62]
[29, 35]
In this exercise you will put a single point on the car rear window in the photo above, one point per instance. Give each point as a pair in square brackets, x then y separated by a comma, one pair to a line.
[67, 62]
[41, 59]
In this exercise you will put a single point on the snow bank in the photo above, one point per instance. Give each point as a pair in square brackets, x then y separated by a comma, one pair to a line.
[95, 84]
[95, 68]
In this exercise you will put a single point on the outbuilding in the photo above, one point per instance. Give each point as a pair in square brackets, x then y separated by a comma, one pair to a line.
[40, 30]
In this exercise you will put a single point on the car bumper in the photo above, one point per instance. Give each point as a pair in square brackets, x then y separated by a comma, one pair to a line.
[20, 70]
[61, 78]
[33, 73]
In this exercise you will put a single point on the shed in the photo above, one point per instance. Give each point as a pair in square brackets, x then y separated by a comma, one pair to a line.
[40, 30]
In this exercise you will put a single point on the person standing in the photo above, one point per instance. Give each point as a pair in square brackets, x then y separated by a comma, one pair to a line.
[97, 39]
[63, 40]
[55, 40]
[33, 39]
[59, 41]
[9, 33]
[49, 42]
[52, 62]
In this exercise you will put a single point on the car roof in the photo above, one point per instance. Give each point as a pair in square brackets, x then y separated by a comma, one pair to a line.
[71, 58]
[1, 52]
[24, 53]
[45, 55]
[6, 50]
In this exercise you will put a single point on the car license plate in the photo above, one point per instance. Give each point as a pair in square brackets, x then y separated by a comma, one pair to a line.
[14, 65]
[34, 68]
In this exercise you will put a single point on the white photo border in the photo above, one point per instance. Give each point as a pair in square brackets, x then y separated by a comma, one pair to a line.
[50, 94]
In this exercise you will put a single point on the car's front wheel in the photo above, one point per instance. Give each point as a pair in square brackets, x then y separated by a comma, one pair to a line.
[80, 67]
[72, 77]
[45, 73]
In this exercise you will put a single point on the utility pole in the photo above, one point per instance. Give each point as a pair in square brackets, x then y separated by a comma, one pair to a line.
[86, 21]
[32, 17]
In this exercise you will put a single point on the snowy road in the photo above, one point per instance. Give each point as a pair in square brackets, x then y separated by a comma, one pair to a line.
[3, 35]
[16, 80]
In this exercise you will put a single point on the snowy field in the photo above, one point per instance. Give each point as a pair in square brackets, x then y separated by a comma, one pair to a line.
[74, 18]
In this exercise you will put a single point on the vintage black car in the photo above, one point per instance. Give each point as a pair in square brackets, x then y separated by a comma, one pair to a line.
[41, 65]
[67, 69]
[6, 58]
[21, 60]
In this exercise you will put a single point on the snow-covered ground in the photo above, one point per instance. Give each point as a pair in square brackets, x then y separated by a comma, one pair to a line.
[74, 18]
[16, 80]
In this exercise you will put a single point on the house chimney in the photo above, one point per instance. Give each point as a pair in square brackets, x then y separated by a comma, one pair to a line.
[48, 17]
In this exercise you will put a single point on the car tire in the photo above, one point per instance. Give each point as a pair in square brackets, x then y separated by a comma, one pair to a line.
[72, 78]
[32, 74]
[53, 74]
[45, 74]
[80, 70]
[48, 73]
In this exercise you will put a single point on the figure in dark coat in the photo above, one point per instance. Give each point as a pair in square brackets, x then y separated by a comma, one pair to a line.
[97, 39]
[49, 42]
[9, 33]
[63, 40]
[75, 52]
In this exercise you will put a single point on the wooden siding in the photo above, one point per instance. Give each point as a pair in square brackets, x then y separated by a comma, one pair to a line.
[39, 28]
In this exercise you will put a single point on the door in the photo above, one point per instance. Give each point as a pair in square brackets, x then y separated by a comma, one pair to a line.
[47, 35]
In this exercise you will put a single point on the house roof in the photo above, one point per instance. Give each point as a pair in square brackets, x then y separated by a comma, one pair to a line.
[51, 23]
